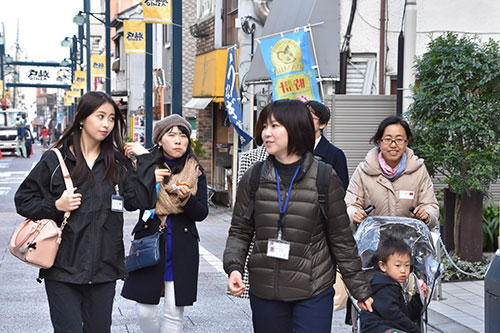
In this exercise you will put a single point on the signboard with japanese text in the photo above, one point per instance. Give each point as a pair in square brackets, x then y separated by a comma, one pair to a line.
[42, 74]
[139, 129]
[75, 91]
[80, 79]
[231, 98]
[134, 33]
[68, 98]
[157, 11]
[289, 64]
[98, 65]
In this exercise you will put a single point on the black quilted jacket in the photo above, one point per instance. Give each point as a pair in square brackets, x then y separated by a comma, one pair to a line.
[311, 267]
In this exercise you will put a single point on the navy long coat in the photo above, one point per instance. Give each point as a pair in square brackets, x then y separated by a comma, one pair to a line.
[146, 285]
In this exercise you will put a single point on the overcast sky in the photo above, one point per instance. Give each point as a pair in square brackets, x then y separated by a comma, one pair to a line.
[42, 26]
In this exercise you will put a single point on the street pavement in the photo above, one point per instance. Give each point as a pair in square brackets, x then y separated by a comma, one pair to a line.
[24, 307]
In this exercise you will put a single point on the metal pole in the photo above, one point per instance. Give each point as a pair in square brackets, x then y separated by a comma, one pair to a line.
[381, 51]
[86, 8]
[108, 48]
[80, 38]
[2, 52]
[148, 103]
[177, 57]
[410, 28]
[399, 98]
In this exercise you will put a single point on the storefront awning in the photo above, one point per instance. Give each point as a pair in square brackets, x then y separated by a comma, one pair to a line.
[209, 74]
[198, 103]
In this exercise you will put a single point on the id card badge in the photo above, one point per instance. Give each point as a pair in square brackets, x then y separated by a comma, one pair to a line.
[277, 248]
[117, 203]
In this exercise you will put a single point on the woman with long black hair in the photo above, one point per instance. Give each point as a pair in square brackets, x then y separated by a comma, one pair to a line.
[182, 201]
[80, 286]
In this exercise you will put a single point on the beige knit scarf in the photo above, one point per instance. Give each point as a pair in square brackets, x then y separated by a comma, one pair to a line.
[168, 201]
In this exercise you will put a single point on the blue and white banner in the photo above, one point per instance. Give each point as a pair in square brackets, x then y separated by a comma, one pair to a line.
[231, 99]
[289, 64]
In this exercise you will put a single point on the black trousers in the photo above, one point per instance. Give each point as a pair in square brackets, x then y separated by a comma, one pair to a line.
[76, 308]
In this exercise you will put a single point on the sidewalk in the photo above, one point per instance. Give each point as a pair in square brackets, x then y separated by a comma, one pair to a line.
[460, 310]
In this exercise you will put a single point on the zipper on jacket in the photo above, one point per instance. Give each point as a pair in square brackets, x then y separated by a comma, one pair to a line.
[92, 249]
[276, 270]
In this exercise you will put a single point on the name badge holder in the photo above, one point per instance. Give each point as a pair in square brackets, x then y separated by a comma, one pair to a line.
[117, 201]
[277, 247]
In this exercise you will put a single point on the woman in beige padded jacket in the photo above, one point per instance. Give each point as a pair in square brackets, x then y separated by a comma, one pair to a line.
[392, 179]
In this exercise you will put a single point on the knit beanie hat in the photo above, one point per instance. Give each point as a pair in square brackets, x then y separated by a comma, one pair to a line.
[167, 123]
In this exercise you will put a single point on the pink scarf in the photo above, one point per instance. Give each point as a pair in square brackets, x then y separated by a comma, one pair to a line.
[392, 173]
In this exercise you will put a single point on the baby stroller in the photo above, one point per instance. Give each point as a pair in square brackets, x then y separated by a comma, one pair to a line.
[424, 260]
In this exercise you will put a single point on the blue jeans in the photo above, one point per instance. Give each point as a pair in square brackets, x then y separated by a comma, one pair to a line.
[309, 315]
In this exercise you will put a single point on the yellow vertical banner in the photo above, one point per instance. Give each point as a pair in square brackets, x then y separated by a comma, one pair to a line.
[134, 32]
[80, 80]
[157, 11]
[68, 98]
[98, 65]
[75, 91]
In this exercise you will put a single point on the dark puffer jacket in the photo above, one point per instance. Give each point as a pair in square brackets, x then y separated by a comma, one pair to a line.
[92, 249]
[310, 268]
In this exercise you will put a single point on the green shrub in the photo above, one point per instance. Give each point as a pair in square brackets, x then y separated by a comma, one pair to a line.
[490, 227]
[451, 273]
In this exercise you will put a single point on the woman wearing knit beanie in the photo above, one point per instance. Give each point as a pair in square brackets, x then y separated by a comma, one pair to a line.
[182, 200]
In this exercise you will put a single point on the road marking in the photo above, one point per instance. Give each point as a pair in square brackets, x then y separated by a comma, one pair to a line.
[211, 259]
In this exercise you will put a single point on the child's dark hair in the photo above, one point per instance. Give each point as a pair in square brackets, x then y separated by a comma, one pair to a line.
[391, 245]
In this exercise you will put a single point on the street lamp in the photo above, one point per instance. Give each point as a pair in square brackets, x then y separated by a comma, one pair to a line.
[81, 20]
[8, 59]
[65, 63]
[66, 42]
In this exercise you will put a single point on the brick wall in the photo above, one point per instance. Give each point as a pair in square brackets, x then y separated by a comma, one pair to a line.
[204, 133]
[206, 44]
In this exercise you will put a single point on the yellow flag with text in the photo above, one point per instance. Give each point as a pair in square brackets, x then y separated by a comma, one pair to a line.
[134, 32]
[75, 91]
[68, 98]
[98, 65]
[80, 80]
[157, 11]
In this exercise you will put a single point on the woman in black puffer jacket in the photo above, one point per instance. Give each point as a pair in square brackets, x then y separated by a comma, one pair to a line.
[292, 270]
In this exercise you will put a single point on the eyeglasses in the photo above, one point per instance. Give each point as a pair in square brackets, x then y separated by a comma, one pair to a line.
[389, 141]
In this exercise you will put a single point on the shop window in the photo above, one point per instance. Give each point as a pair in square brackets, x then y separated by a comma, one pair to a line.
[205, 9]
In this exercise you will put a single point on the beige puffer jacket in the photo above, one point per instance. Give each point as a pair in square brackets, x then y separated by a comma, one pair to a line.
[310, 268]
[368, 186]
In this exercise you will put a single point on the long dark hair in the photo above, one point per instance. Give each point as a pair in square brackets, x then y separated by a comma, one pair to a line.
[111, 147]
[181, 161]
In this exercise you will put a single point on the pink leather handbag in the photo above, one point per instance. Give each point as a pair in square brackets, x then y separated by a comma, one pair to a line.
[37, 242]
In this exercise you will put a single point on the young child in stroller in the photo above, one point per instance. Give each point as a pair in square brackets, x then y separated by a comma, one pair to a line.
[391, 311]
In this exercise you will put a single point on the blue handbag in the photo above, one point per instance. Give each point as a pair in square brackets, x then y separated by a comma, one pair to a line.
[144, 252]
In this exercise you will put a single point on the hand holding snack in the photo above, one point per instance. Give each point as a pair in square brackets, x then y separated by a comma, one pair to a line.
[182, 189]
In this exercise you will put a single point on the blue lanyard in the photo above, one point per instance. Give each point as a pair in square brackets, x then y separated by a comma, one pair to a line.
[283, 210]
[152, 211]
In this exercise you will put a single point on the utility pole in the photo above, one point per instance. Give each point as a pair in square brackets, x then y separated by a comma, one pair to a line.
[18, 53]
[148, 96]
[86, 9]
[108, 47]
[177, 57]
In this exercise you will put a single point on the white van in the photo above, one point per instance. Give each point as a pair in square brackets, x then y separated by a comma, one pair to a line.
[8, 129]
